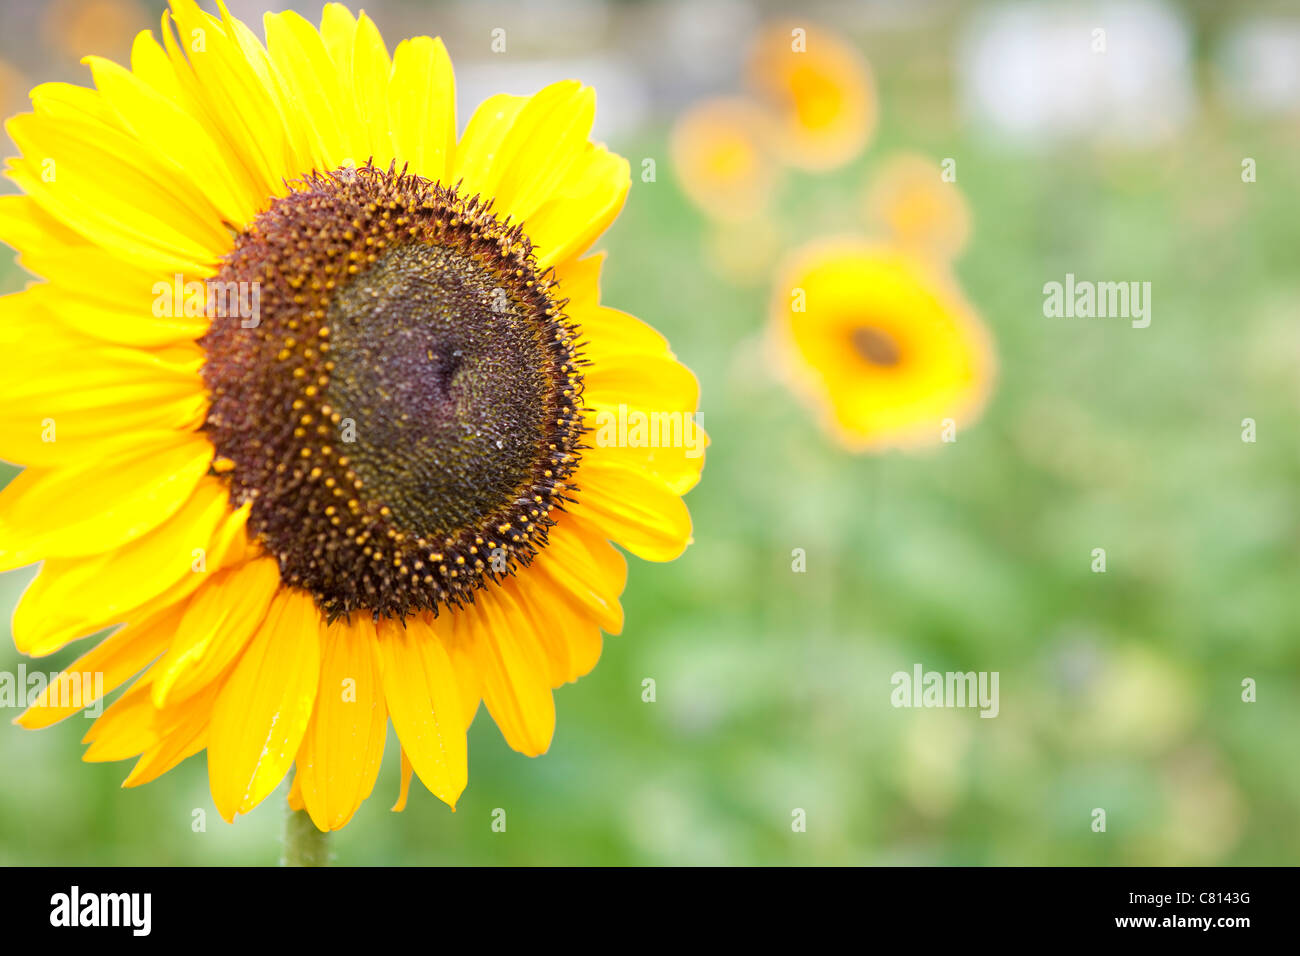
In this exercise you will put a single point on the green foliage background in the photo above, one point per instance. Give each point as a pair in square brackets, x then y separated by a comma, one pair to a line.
[1119, 690]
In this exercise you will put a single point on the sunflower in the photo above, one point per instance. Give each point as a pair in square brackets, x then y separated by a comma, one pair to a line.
[880, 343]
[720, 157]
[909, 199]
[306, 401]
[818, 91]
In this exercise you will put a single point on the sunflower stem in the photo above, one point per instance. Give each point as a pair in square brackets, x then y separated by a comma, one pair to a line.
[304, 845]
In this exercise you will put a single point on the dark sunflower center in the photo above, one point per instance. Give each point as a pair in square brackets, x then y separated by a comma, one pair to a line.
[875, 346]
[405, 410]
[449, 394]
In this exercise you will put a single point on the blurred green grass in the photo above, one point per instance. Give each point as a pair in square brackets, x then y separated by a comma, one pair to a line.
[1119, 691]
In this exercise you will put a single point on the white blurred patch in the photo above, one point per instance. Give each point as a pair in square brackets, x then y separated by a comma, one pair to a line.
[702, 45]
[252, 11]
[621, 94]
[1038, 74]
[1259, 66]
[563, 26]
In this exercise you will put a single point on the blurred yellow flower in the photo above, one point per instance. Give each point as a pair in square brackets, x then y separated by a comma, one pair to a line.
[718, 154]
[881, 343]
[819, 92]
[915, 207]
[104, 27]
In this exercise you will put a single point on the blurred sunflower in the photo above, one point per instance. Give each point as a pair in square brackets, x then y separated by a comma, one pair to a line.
[363, 493]
[880, 343]
[718, 153]
[916, 208]
[819, 93]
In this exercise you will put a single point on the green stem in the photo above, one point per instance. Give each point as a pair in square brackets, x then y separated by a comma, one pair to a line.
[304, 845]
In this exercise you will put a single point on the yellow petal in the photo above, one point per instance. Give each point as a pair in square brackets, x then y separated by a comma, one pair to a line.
[344, 746]
[532, 156]
[609, 333]
[458, 638]
[95, 506]
[91, 292]
[422, 107]
[516, 676]
[125, 729]
[475, 166]
[26, 226]
[650, 383]
[423, 700]
[173, 134]
[642, 412]
[80, 398]
[29, 437]
[262, 711]
[230, 76]
[107, 666]
[71, 598]
[371, 68]
[550, 132]
[605, 331]
[151, 63]
[569, 637]
[634, 508]
[338, 32]
[580, 208]
[404, 790]
[218, 623]
[166, 226]
[587, 570]
[677, 464]
[312, 86]
[181, 730]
